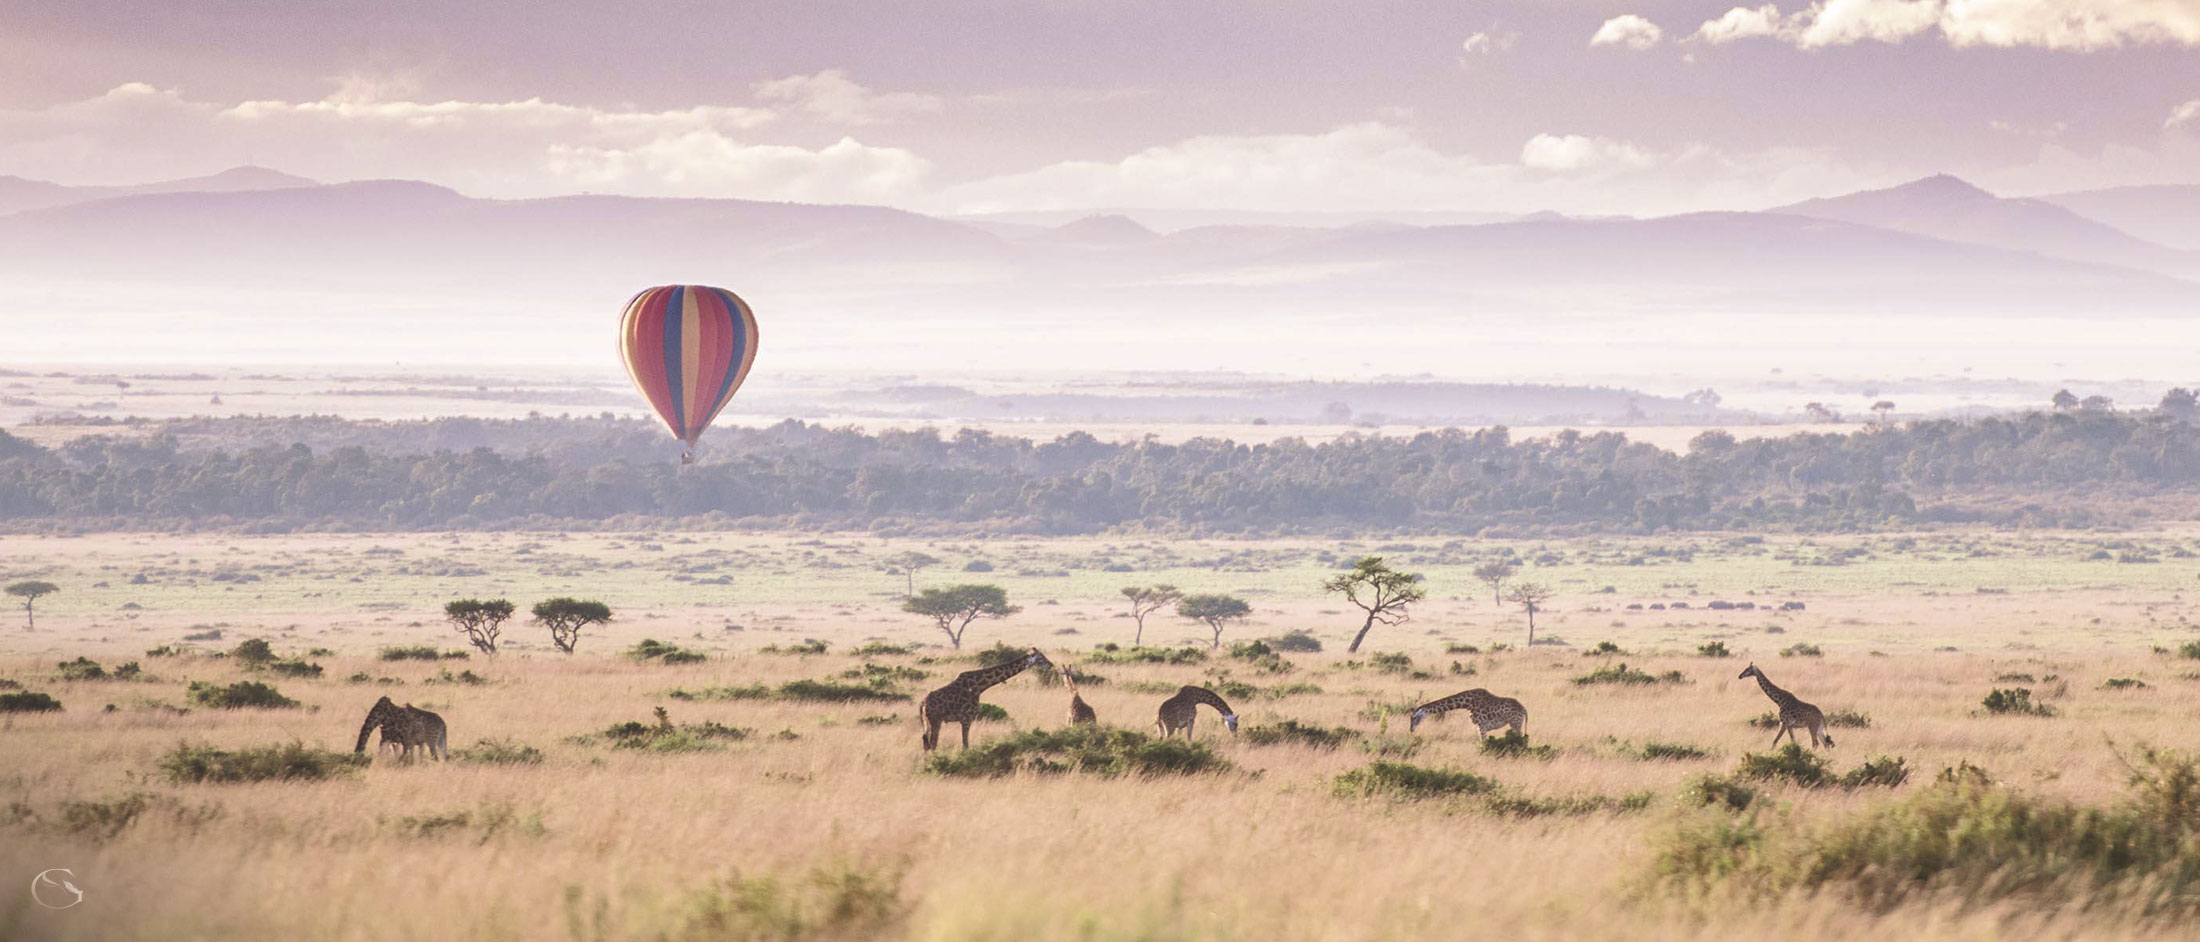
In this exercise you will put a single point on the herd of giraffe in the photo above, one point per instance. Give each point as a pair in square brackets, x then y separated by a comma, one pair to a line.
[408, 727]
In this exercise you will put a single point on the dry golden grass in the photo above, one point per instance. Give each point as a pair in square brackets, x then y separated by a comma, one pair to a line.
[604, 843]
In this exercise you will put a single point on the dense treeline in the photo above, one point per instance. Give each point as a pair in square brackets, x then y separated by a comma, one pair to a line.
[2055, 468]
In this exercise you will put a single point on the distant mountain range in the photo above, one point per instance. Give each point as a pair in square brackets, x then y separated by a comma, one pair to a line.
[1935, 245]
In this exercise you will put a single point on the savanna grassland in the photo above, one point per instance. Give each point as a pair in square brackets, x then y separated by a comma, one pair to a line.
[759, 807]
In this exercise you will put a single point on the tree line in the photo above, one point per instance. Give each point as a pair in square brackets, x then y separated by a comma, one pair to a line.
[2051, 468]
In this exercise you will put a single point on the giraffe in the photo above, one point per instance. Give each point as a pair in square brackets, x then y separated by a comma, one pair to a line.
[1080, 712]
[1794, 713]
[1489, 710]
[958, 701]
[1178, 711]
[408, 726]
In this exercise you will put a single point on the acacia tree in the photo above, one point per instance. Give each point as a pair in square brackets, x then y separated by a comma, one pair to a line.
[1218, 611]
[907, 564]
[30, 592]
[1146, 600]
[1530, 596]
[955, 607]
[480, 621]
[1495, 574]
[2181, 404]
[2063, 401]
[565, 617]
[1384, 593]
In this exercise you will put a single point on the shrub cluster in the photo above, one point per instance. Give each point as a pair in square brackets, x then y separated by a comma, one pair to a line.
[1099, 750]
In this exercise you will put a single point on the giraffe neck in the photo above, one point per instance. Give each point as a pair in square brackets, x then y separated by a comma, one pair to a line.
[1779, 696]
[979, 680]
[1208, 697]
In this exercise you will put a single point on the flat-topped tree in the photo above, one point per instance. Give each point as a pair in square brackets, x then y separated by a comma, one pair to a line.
[1530, 596]
[1217, 611]
[1495, 574]
[565, 617]
[1146, 600]
[955, 607]
[907, 565]
[479, 620]
[1384, 593]
[30, 592]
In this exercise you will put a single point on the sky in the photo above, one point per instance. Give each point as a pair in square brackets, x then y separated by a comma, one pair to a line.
[970, 106]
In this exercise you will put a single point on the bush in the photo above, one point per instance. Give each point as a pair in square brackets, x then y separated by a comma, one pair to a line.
[1461, 649]
[807, 647]
[499, 752]
[83, 668]
[1111, 653]
[1838, 719]
[284, 763]
[650, 649]
[1713, 649]
[1410, 782]
[990, 713]
[1884, 771]
[748, 692]
[1390, 662]
[2189, 649]
[295, 668]
[880, 648]
[663, 736]
[104, 819]
[1260, 657]
[1621, 674]
[253, 652]
[28, 701]
[1514, 745]
[1671, 752]
[830, 692]
[1296, 641]
[1604, 649]
[418, 652]
[1528, 806]
[2015, 701]
[1719, 790]
[1292, 732]
[839, 902]
[244, 694]
[1800, 649]
[1964, 839]
[1791, 763]
[2123, 683]
[1100, 750]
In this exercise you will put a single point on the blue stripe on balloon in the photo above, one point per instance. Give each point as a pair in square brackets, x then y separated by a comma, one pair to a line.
[737, 325]
[675, 382]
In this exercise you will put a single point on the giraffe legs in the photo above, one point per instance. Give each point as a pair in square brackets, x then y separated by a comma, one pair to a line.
[931, 735]
[966, 734]
[1776, 736]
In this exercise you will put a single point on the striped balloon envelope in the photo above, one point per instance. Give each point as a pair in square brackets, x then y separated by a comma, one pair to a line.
[687, 347]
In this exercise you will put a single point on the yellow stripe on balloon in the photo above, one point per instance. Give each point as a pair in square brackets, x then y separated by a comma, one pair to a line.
[691, 360]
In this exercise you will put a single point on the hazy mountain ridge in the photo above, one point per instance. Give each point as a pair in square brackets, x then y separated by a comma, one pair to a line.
[1948, 208]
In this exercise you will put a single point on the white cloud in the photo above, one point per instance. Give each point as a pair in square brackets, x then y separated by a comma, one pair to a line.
[1572, 152]
[2183, 114]
[832, 95]
[1628, 30]
[516, 148]
[2068, 25]
[1489, 42]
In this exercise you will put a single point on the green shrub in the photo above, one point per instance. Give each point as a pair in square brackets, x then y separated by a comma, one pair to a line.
[2189, 649]
[1390, 662]
[1720, 791]
[807, 647]
[1800, 649]
[2123, 683]
[1410, 782]
[295, 668]
[1111, 653]
[1514, 745]
[881, 674]
[748, 692]
[2015, 679]
[880, 649]
[2015, 701]
[830, 692]
[990, 713]
[1883, 771]
[166, 650]
[1099, 750]
[1713, 649]
[499, 752]
[83, 668]
[1671, 752]
[1622, 674]
[104, 819]
[1456, 648]
[1296, 641]
[244, 694]
[253, 652]
[1295, 689]
[663, 736]
[28, 701]
[1261, 657]
[1604, 649]
[1292, 732]
[1529, 806]
[1838, 719]
[1791, 763]
[418, 652]
[650, 649]
[284, 763]
[1963, 772]
[828, 903]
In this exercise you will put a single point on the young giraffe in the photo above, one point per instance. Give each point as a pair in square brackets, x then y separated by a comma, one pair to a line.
[1794, 713]
[1489, 710]
[1178, 711]
[958, 701]
[1080, 712]
[408, 726]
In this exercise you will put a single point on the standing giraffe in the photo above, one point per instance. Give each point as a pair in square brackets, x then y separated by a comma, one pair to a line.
[1794, 713]
[1080, 712]
[1178, 711]
[1489, 710]
[958, 701]
[408, 726]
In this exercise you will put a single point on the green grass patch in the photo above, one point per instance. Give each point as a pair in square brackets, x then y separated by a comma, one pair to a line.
[1514, 745]
[651, 649]
[1625, 676]
[1655, 751]
[1404, 780]
[242, 695]
[1713, 649]
[499, 752]
[1800, 649]
[1295, 733]
[1838, 719]
[28, 701]
[2014, 701]
[290, 762]
[1098, 750]
[1112, 653]
[2123, 683]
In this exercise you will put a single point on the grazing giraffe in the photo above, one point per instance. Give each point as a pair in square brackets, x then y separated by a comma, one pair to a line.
[408, 726]
[1489, 710]
[1794, 713]
[1178, 711]
[958, 701]
[1080, 712]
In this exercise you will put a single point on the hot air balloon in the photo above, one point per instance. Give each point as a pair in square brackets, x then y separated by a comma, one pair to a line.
[687, 347]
